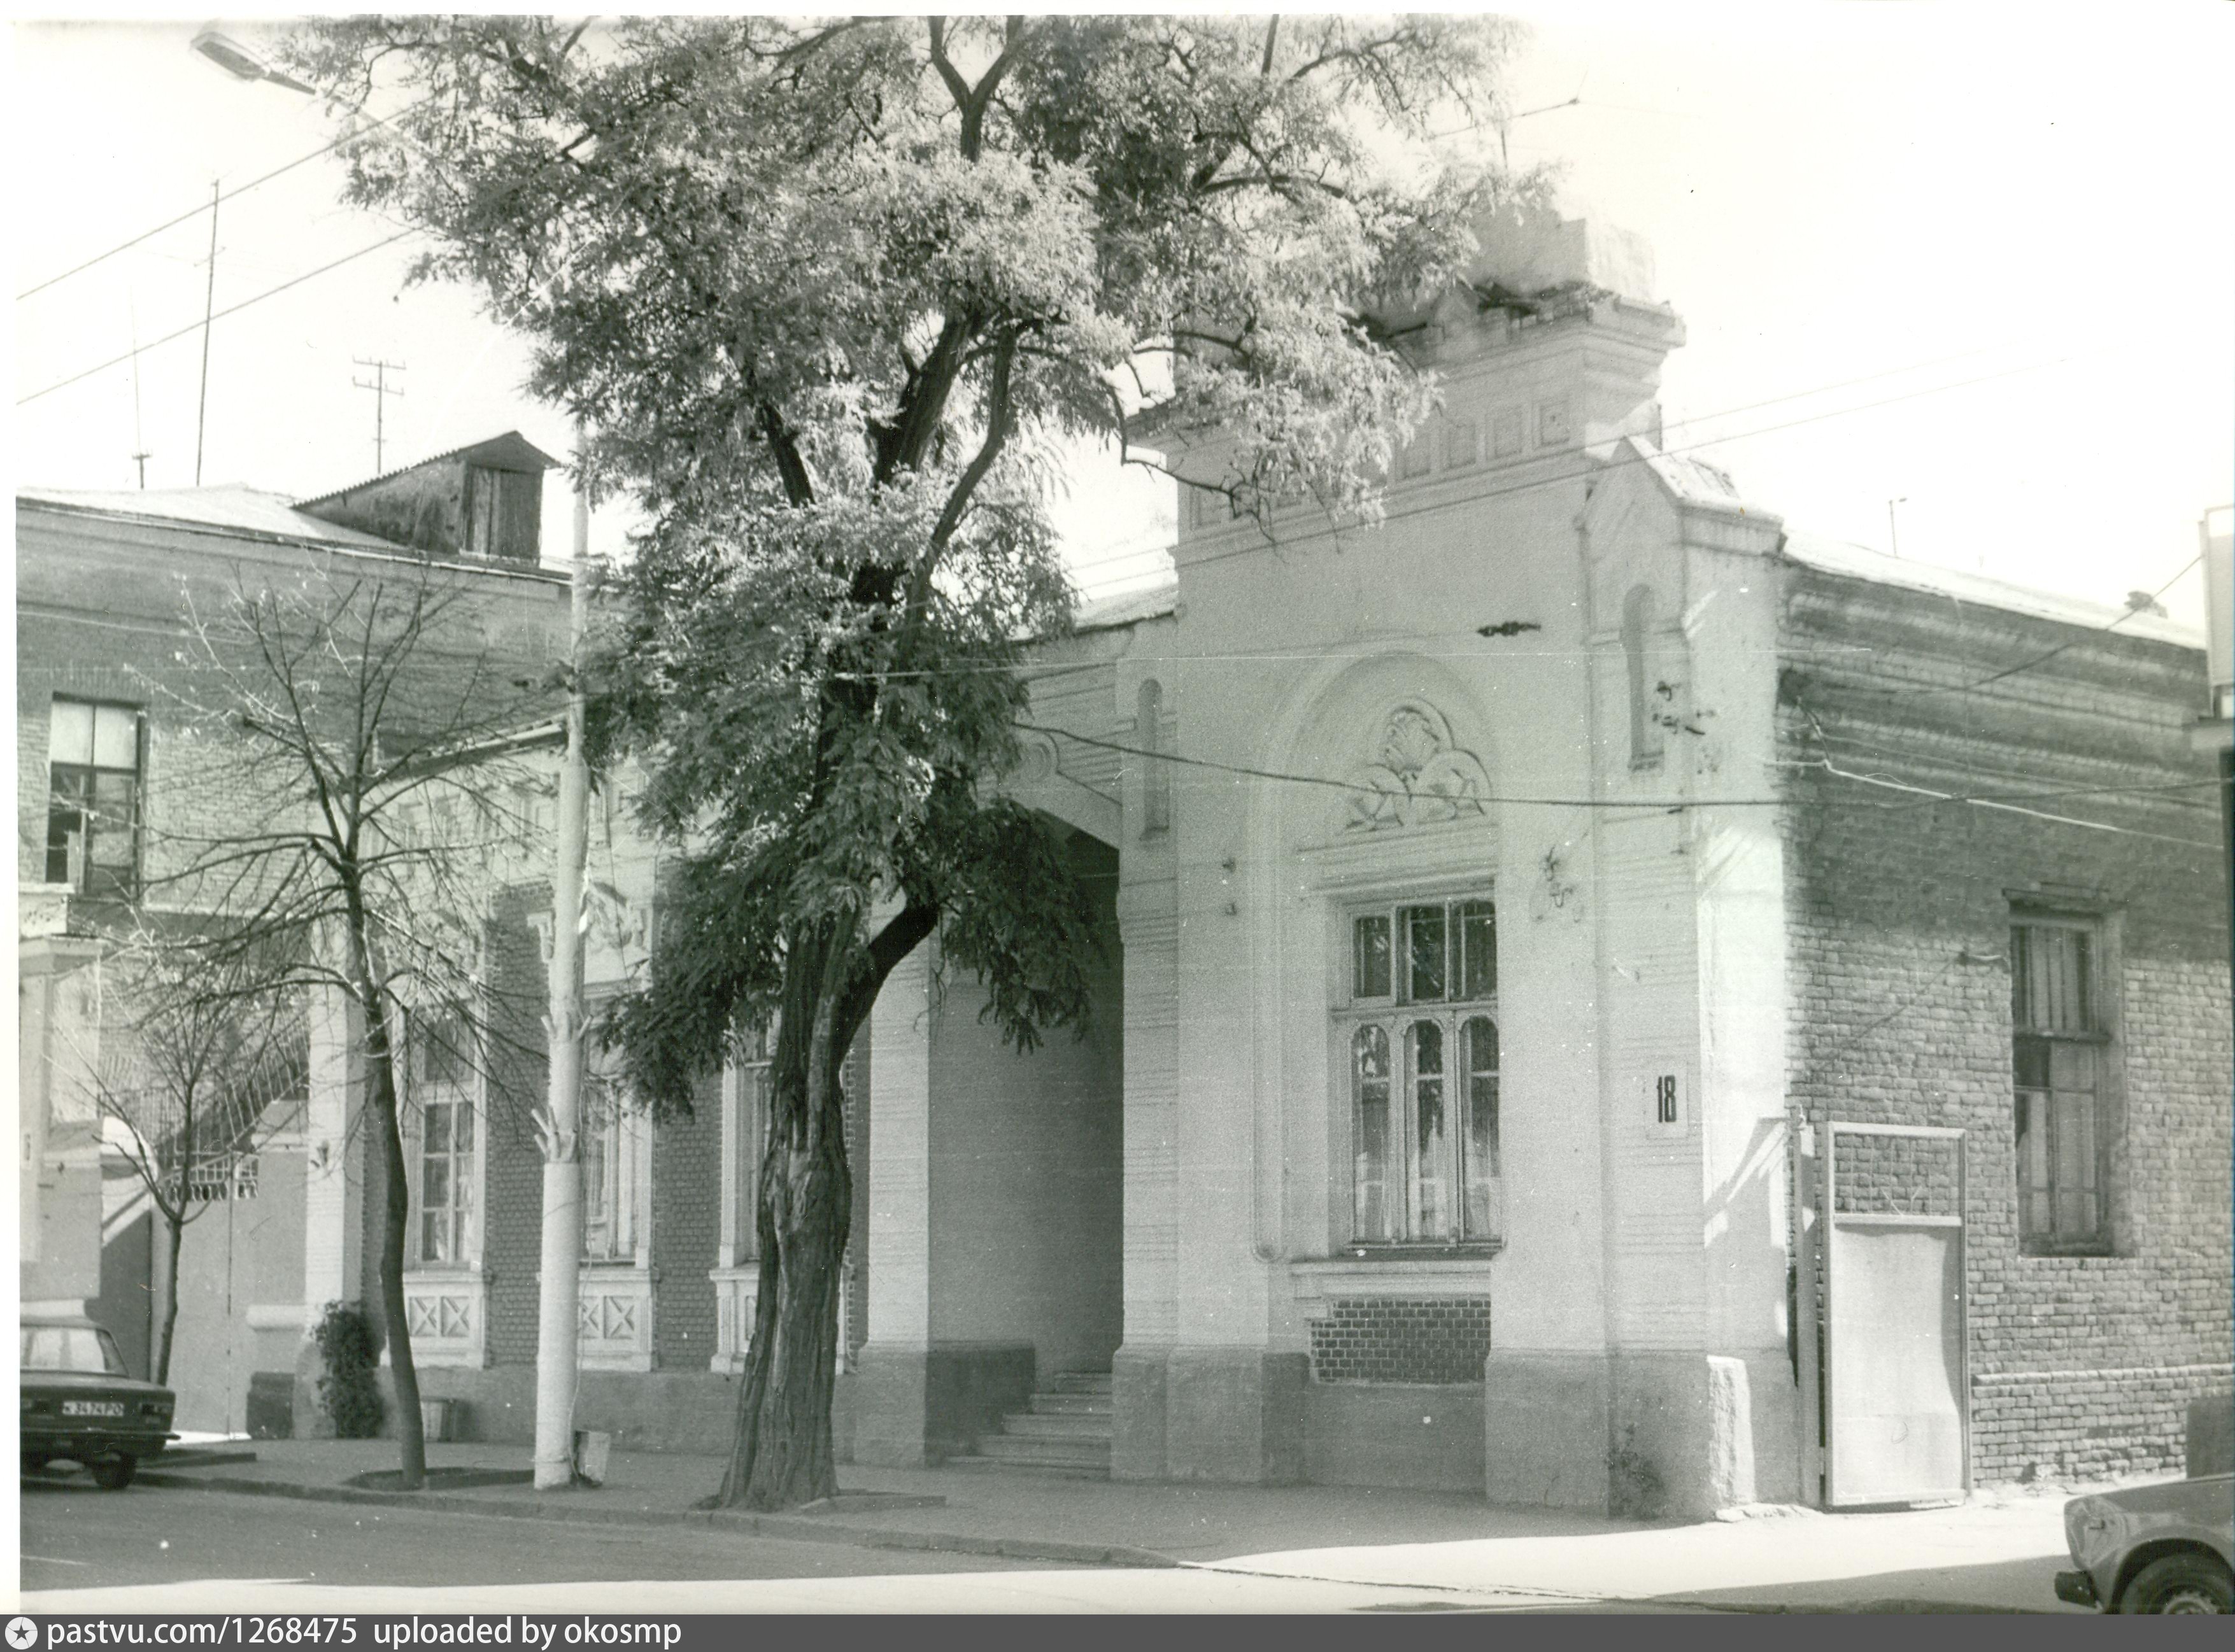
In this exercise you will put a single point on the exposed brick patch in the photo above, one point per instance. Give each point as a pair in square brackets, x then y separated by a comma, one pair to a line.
[1905, 1175]
[2064, 1425]
[1392, 1339]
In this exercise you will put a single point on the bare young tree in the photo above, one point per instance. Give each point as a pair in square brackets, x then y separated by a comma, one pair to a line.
[368, 754]
[203, 1063]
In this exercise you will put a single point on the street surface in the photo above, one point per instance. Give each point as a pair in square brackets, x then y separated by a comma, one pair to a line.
[170, 1549]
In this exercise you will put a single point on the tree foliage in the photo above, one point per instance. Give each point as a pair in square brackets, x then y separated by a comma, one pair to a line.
[828, 293]
[364, 732]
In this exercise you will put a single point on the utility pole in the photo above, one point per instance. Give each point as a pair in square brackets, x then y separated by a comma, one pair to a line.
[381, 391]
[209, 307]
[558, 1338]
[1893, 533]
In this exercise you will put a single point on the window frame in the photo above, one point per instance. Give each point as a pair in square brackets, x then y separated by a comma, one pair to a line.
[2097, 1035]
[118, 886]
[459, 1099]
[623, 1140]
[745, 1134]
[1400, 1013]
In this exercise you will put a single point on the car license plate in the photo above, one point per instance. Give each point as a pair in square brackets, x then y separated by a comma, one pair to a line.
[93, 1407]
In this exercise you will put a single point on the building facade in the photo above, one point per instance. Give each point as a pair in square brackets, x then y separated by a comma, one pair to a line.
[1608, 1003]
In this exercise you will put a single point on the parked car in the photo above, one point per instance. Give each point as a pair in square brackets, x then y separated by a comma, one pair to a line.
[2163, 1548]
[80, 1404]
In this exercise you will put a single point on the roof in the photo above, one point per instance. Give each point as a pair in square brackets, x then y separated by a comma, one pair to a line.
[242, 508]
[1860, 562]
[1130, 607]
[511, 451]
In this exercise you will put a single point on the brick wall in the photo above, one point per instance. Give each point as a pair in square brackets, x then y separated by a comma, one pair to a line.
[1900, 1004]
[518, 1081]
[687, 1229]
[1387, 1339]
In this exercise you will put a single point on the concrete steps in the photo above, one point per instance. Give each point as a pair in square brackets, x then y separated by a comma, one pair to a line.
[1065, 1430]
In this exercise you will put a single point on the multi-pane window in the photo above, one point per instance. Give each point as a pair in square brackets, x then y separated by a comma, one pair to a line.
[93, 812]
[442, 1089]
[2059, 1045]
[1420, 1030]
[749, 1068]
[614, 1148]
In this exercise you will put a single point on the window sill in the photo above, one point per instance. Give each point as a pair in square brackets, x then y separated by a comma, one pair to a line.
[1408, 1270]
[1472, 1250]
[2100, 1248]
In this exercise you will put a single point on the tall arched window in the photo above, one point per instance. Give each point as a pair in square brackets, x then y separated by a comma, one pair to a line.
[1637, 652]
[1156, 773]
[1422, 1039]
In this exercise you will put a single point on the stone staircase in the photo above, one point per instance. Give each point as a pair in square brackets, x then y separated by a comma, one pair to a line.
[1065, 1431]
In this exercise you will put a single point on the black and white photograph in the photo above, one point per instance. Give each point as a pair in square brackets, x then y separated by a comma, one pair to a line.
[1100, 812]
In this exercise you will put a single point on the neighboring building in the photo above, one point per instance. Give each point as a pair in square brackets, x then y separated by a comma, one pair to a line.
[1458, 1114]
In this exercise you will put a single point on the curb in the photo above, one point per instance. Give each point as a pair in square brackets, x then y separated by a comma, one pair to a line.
[802, 1527]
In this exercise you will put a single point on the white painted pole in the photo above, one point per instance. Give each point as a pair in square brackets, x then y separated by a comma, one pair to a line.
[557, 1340]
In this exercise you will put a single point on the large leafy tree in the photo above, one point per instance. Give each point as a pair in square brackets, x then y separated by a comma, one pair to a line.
[828, 292]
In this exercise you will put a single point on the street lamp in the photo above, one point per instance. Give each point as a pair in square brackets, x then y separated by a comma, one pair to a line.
[243, 62]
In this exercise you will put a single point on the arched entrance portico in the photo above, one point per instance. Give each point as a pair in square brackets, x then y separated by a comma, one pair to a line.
[995, 1190]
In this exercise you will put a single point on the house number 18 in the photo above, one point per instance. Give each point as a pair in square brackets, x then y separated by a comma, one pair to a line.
[1664, 1100]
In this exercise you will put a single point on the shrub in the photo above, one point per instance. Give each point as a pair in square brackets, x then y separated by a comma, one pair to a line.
[348, 1390]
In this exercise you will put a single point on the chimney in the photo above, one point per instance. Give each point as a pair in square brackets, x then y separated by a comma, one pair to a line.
[483, 503]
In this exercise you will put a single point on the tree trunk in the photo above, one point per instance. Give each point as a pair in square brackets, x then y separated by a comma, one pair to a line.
[781, 1456]
[173, 1232]
[410, 1435]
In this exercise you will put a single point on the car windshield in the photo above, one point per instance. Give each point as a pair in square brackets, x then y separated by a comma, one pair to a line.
[70, 1348]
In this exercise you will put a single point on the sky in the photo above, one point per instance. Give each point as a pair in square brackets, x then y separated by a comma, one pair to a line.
[1973, 261]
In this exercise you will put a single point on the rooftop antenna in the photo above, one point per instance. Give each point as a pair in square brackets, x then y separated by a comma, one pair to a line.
[209, 305]
[139, 441]
[381, 390]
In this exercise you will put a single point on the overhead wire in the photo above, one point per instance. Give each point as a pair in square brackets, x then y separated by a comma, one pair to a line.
[1569, 477]
[1650, 805]
[222, 197]
[219, 315]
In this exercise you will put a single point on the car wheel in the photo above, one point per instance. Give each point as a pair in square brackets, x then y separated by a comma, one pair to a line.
[115, 1473]
[2181, 1583]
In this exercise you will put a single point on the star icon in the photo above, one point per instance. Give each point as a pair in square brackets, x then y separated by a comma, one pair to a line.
[22, 1634]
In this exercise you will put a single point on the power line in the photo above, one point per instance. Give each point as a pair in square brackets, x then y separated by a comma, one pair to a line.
[1669, 453]
[1652, 805]
[173, 222]
[220, 315]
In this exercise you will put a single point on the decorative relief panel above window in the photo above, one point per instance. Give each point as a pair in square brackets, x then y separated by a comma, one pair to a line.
[1417, 776]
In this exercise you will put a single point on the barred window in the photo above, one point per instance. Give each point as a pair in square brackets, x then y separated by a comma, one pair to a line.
[1420, 1031]
[2060, 1052]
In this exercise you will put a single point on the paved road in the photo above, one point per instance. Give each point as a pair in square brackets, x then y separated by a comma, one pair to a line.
[165, 1549]
[162, 1549]
[75, 1537]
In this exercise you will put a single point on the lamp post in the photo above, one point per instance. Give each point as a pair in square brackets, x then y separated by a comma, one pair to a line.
[558, 1332]
[557, 1337]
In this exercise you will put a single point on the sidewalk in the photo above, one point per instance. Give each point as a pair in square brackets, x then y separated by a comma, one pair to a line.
[1993, 1553]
